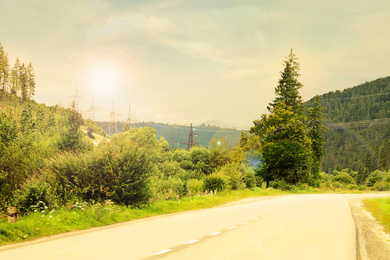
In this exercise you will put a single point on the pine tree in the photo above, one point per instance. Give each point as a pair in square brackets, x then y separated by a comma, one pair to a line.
[316, 128]
[4, 71]
[287, 92]
[384, 155]
[30, 81]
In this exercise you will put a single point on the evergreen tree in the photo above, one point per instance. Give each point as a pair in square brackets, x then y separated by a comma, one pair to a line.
[384, 155]
[30, 81]
[4, 71]
[316, 129]
[27, 122]
[287, 92]
[71, 137]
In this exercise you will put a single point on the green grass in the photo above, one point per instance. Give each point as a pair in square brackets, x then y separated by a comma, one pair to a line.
[87, 216]
[380, 209]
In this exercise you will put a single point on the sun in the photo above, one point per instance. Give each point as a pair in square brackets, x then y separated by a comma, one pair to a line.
[106, 72]
[104, 77]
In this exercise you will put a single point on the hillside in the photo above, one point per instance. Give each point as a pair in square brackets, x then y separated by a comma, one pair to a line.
[177, 135]
[358, 119]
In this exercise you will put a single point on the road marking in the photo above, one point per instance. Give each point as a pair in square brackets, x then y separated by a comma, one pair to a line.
[255, 219]
[191, 241]
[215, 233]
[244, 223]
[233, 227]
[162, 252]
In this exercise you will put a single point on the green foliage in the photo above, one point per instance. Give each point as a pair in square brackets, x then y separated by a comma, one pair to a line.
[316, 128]
[233, 174]
[71, 138]
[287, 91]
[214, 182]
[281, 185]
[35, 191]
[220, 154]
[286, 160]
[343, 178]
[358, 120]
[195, 185]
[119, 170]
[171, 188]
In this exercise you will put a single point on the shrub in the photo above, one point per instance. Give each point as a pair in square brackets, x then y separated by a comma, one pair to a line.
[343, 178]
[280, 184]
[352, 187]
[373, 178]
[34, 192]
[381, 186]
[233, 174]
[249, 178]
[195, 185]
[171, 188]
[214, 182]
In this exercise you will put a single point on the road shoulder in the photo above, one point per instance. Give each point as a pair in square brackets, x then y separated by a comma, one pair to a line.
[372, 241]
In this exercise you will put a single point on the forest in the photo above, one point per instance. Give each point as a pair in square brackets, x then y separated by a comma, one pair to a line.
[51, 156]
[358, 135]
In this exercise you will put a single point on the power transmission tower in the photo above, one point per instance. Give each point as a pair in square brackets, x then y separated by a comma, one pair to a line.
[91, 111]
[191, 143]
[129, 119]
[112, 124]
[76, 99]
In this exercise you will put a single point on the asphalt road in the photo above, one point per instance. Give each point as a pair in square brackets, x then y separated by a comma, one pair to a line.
[287, 227]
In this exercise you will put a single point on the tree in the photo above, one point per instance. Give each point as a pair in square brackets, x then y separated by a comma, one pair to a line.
[30, 81]
[384, 155]
[4, 72]
[287, 92]
[71, 138]
[316, 129]
[219, 153]
[285, 146]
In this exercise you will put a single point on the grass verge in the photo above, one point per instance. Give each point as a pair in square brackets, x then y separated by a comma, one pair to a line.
[380, 209]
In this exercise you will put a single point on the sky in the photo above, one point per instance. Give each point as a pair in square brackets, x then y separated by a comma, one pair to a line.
[215, 62]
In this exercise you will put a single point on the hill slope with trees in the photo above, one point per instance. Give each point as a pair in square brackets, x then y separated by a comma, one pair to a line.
[358, 121]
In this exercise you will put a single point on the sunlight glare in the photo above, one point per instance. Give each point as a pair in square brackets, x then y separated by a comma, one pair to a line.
[104, 78]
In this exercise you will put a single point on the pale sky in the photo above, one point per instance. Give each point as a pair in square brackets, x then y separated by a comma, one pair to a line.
[213, 62]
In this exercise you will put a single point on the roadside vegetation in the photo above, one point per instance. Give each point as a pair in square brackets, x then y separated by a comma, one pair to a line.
[62, 170]
[380, 210]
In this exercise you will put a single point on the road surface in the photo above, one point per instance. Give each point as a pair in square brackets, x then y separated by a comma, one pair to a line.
[286, 227]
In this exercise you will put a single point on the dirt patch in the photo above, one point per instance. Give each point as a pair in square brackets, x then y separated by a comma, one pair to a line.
[372, 241]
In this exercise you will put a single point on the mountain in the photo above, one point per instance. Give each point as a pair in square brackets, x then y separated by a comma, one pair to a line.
[358, 121]
[178, 135]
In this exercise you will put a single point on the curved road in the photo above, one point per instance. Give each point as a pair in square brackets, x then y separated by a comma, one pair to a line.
[287, 227]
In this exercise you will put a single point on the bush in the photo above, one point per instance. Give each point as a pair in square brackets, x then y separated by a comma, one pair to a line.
[171, 188]
[194, 185]
[343, 178]
[381, 186]
[233, 174]
[280, 184]
[374, 177]
[214, 182]
[34, 192]
[249, 178]
[352, 187]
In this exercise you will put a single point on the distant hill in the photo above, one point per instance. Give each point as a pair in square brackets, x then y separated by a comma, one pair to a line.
[176, 134]
[359, 123]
